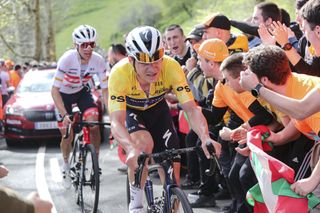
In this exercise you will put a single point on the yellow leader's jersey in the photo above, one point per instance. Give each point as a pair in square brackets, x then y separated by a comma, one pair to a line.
[125, 90]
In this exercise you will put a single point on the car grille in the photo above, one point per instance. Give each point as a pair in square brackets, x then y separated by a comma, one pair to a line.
[40, 115]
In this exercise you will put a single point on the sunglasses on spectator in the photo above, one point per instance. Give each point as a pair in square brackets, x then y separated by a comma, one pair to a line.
[87, 44]
[145, 58]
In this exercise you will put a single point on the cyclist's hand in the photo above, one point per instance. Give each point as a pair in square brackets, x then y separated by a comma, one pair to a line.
[132, 158]
[304, 186]
[40, 205]
[66, 121]
[217, 147]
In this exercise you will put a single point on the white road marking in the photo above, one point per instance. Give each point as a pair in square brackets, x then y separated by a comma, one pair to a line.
[55, 170]
[41, 182]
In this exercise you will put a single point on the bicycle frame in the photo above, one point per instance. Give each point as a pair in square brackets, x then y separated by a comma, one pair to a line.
[85, 176]
[165, 160]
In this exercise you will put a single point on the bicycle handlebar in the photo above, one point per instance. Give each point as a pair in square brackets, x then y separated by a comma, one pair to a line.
[170, 154]
[85, 123]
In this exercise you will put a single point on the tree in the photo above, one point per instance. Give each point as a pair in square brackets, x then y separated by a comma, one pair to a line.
[22, 37]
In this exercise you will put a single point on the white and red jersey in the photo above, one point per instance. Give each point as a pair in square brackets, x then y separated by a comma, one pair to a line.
[71, 76]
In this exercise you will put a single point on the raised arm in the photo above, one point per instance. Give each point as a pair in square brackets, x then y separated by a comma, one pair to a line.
[298, 109]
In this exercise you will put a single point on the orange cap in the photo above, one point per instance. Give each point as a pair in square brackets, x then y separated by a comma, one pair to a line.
[213, 50]
[9, 63]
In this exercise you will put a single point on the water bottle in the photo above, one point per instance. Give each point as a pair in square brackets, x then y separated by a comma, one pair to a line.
[149, 191]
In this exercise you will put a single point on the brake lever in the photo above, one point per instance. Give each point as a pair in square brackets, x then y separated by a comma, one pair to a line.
[67, 131]
[213, 159]
[138, 172]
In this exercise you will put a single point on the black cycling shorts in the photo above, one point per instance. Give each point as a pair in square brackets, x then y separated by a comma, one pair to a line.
[83, 99]
[156, 120]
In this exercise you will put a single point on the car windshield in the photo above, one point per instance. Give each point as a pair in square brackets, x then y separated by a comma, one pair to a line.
[36, 81]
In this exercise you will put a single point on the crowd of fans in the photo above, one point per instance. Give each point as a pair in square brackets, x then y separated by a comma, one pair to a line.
[240, 81]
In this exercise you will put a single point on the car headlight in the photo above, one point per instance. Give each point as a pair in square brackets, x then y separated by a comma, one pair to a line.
[14, 111]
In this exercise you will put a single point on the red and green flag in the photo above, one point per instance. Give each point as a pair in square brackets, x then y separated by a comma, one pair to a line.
[273, 192]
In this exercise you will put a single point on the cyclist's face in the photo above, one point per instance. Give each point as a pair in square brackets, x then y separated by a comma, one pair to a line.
[148, 72]
[85, 50]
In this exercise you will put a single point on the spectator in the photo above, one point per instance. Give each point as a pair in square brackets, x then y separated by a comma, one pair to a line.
[11, 201]
[116, 53]
[218, 26]
[269, 68]
[15, 75]
[175, 40]
[311, 24]
[5, 82]
[195, 39]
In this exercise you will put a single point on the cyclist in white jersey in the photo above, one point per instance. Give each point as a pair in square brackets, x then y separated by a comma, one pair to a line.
[75, 69]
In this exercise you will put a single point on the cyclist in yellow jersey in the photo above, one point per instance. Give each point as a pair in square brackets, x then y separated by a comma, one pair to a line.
[139, 115]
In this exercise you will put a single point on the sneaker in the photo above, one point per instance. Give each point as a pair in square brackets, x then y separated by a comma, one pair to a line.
[137, 210]
[123, 169]
[189, 184]
[66, 180]
[194, 194]
[222, 195]
[203, 201]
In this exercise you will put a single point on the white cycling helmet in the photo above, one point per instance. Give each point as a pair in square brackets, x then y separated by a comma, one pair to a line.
[84, 33]
[144, 44]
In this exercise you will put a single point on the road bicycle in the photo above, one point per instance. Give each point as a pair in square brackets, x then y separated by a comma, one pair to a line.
[170, 198]
[84, 166]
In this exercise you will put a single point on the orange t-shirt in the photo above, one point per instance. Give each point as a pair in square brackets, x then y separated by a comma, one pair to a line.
[298, 85]
[224, 96]
[14, 78]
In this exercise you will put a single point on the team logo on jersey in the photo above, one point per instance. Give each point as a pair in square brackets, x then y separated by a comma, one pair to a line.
[186, 88]
[117, 98]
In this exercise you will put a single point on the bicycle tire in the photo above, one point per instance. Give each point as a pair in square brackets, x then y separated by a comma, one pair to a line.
[75, 168]
[73, 159]
[128, 190]
[90, 180]
[180, 198]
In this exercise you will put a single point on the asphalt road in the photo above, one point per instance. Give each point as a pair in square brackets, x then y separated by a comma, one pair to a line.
[36, 167]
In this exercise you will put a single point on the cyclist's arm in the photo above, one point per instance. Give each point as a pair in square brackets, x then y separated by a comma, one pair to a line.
[105, 96]
[57, 99]
[199, 125]
[119, 130]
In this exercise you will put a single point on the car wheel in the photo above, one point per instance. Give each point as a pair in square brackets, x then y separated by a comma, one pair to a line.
[11, 142]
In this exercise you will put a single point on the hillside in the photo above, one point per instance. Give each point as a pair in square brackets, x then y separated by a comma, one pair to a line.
[113, 19]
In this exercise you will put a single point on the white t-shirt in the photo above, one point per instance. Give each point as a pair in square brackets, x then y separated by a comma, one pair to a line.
[69, 77]
[4, 79]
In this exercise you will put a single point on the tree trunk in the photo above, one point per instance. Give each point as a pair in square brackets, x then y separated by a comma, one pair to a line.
[50, 40]
[37, 53]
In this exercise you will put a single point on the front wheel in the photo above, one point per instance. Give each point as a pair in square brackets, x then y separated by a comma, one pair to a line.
[179, 201]
[90, 180]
